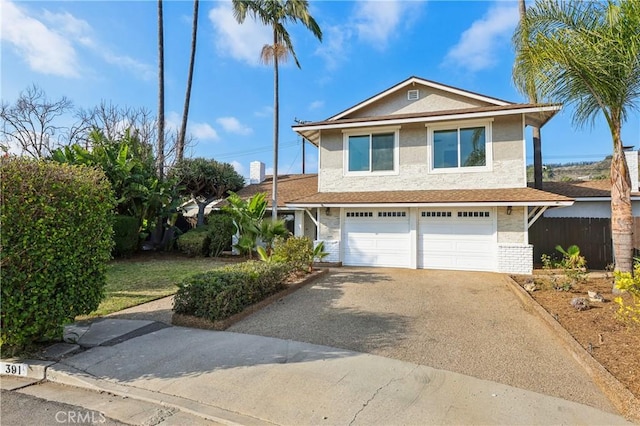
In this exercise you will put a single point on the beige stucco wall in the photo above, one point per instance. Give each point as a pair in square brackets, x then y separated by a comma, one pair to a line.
[329, 224]
[430, 99]
[413, 174]
[511, 228]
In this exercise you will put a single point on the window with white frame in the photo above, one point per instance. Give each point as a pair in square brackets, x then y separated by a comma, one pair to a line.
[460, 147]
[374, 152]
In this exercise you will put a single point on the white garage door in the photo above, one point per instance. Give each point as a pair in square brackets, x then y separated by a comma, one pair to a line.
[377, 238]
[460, 239]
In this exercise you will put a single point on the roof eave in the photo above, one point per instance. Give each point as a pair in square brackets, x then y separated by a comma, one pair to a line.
[540, 118]
[438, 204]
[537, 114]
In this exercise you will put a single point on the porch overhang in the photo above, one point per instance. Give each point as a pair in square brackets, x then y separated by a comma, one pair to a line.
[527, 197]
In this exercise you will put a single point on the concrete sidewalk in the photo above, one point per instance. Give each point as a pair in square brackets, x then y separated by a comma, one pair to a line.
[235, 378]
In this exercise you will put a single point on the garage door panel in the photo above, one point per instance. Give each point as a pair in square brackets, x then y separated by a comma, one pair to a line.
[457, 241]
[377, 240]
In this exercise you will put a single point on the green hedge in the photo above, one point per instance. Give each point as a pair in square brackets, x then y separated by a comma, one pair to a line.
[125, 235]
[221, 231]
[220, 293]
[195, 242]
[55, 243]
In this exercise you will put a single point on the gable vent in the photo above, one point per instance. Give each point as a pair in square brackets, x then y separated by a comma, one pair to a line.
[413, 95]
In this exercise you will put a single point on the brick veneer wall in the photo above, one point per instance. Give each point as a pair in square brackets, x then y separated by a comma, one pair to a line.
[515, 258]
[333, 248]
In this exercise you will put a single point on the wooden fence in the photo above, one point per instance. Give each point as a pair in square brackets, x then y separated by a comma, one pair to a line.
[592, 235]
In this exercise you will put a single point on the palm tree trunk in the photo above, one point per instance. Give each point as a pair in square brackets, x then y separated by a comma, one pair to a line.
[621, 213]
[533, 98]
[537, 157]
[276, 117]
[187, 97]
[160, 153]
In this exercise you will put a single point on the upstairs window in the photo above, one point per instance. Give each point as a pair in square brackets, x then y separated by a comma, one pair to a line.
[456, 148]
[371, 152]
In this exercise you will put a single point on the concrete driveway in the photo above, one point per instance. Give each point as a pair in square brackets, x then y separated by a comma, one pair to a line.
[466, 322]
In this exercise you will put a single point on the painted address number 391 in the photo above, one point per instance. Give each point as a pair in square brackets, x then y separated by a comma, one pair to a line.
[12, 369]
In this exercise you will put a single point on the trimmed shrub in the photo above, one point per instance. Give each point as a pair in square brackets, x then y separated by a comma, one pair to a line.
[221, 231]
[56, 241]
[218, 294]
[125, 235]
[195, 242]
[297, 251]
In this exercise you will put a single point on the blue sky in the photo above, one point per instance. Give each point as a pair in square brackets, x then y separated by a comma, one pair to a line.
[107, 50]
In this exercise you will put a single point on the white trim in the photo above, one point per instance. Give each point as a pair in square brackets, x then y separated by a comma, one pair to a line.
[414, 80]
[452, 205]
[525, 225]
[488, 126]
[524, 148]
[370, 132]
[538, 212]
[431, 119]
[313, 219]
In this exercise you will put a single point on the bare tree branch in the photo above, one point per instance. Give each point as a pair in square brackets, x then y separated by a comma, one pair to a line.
[28, 126]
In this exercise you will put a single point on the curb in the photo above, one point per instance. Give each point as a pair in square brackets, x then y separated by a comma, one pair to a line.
[202, 323]
[66, 375]
[36, 368]
[621, 398]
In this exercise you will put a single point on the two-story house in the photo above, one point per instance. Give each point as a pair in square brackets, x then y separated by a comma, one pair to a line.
[424, 175]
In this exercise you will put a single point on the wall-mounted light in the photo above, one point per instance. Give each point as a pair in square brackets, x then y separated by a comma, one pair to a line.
[327, 211]
[509, 210]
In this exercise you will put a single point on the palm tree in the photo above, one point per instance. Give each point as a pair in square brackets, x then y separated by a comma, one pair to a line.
[587, 54]
[533, 99]
[277, 13]
[160, 153]
[187, 97]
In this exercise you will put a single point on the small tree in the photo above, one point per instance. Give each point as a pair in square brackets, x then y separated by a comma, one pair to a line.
[247, 216]
[205, 181]
[128, 164]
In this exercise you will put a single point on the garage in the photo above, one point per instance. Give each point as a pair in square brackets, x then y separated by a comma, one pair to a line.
[460, 239]
[377, 237]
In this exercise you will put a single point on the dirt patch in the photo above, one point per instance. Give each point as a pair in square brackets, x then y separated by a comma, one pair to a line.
[614, 344]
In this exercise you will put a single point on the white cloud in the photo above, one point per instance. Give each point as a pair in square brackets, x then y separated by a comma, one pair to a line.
[45, 50]
[76, 29]
[203, 131]
[264, 112]
[316, 105]
[172, 122]
[373, 22]
[233, 125]
[137, 68]
[378, 21]
[478, 45]
[49, 46]
[334, 47]
[238, 168]
[200, 131]
[240, 41]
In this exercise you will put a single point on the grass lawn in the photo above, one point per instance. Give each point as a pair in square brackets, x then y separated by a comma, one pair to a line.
[134, 281]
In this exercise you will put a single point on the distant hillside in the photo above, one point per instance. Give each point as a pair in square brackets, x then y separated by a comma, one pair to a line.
[594, 170]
